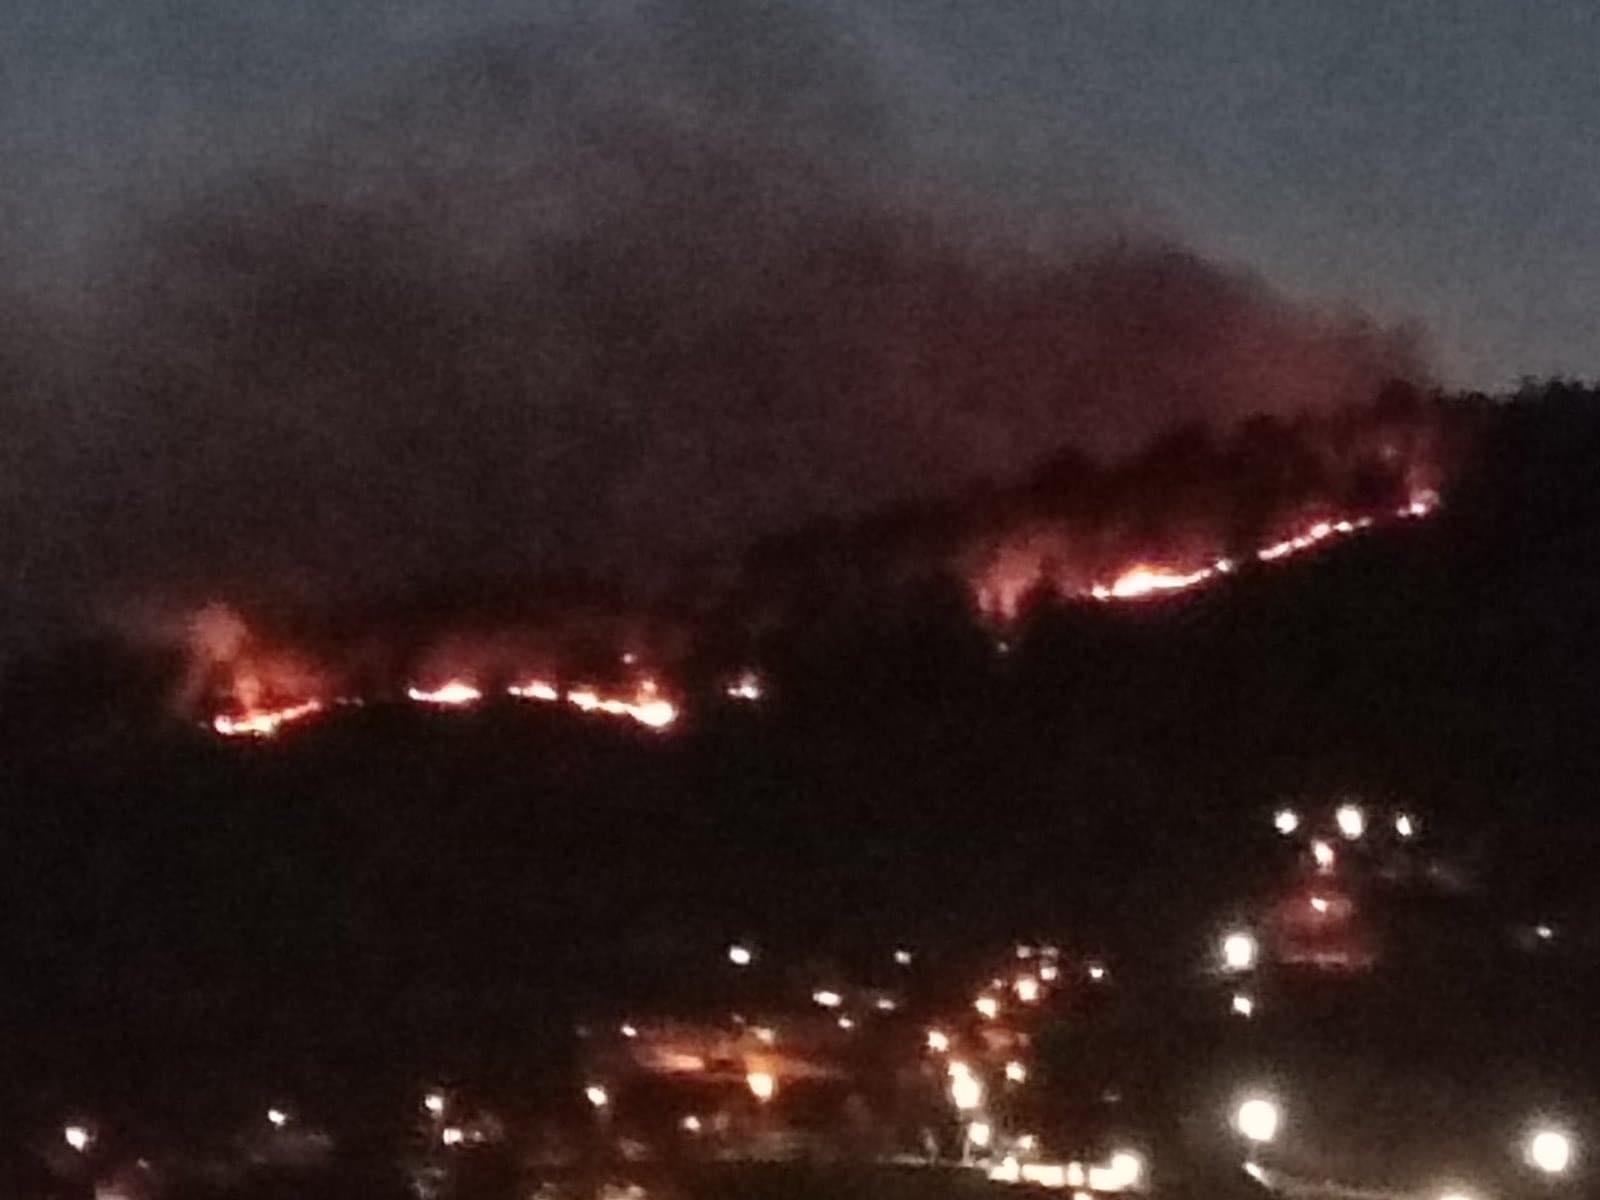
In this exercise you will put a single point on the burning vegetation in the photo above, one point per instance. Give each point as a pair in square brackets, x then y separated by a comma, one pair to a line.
[1191, 510]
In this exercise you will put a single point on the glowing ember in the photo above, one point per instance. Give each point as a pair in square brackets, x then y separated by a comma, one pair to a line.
[455, 694]
[645, 705]
[263, 723]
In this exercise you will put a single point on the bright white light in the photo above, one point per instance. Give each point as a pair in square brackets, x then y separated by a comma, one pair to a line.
[763, 1085]
[277, 1118]
[1550, 1151]
[1404, 825]
[1243, 1005]
[979, 1133]
[1258, 1118]
[1322, 853]
[885, 1004]
[1255, 1172]
[846, 1023]
[1351, 820]
[1286, 821]
[938, 1041]
[1027, 989]
[451, 1135]
[1016, 1072]
[1456, 1196]
[966, 1091]
[1024, 950]
[827, 999]
[1127, 1169]
[746, 687]
[690, 1124]
[1049, 972]
[1319, 905]
[1009, 1170]
[433, 1102]
[1239, 951]
[628, 1030]
[988, 1007]
[597, 1095]
[1096, 972]
[1074, 1175]
[78, 1137]
[902, 958]
[1027, 1143]
[765, 1035]
[740, 956]
[1544, 933]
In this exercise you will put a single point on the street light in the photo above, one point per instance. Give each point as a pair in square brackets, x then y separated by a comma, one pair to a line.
[1351, 820]
[1550, 1151]
[1286, 821]
[1239, 951]
[1258, 1119]
[740, 956]
[78, 1137]
[966, 1091]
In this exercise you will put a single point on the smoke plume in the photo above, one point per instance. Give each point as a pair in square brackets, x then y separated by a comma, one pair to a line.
[594, 295]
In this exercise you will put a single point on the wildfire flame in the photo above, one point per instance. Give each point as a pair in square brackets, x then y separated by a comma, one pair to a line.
[456, 694]
[1001, 590]
[261, 723]
[262, 689]
[646, 705]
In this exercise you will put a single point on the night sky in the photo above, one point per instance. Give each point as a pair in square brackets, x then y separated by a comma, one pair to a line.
[297, 295]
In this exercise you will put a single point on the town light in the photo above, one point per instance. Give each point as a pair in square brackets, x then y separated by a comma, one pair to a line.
[78, 1137]
[1239, 951]
[740, 956]
[938, 1041]
[1027, 989]
[1322, 854]
[1405, 825]
[827, 999]
[597, 1095]
[1243, 1005]
[1286, 821]
[966, 1089]
[902, 958]
[1016, 1072]
[979, 1133]
[434, 1103]
[1097, 972]
[1351, 820]
[763, 1085]
[1258, 1119]
[1127, 1169]
[1550, 1151]
[277, 1118]
[451, 1135]
[988, 1007]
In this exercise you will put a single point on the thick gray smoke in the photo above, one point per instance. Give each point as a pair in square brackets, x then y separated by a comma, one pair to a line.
[593, 293]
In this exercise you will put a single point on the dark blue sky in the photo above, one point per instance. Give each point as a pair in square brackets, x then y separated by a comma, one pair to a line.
[299, 292]
[1427, 160]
